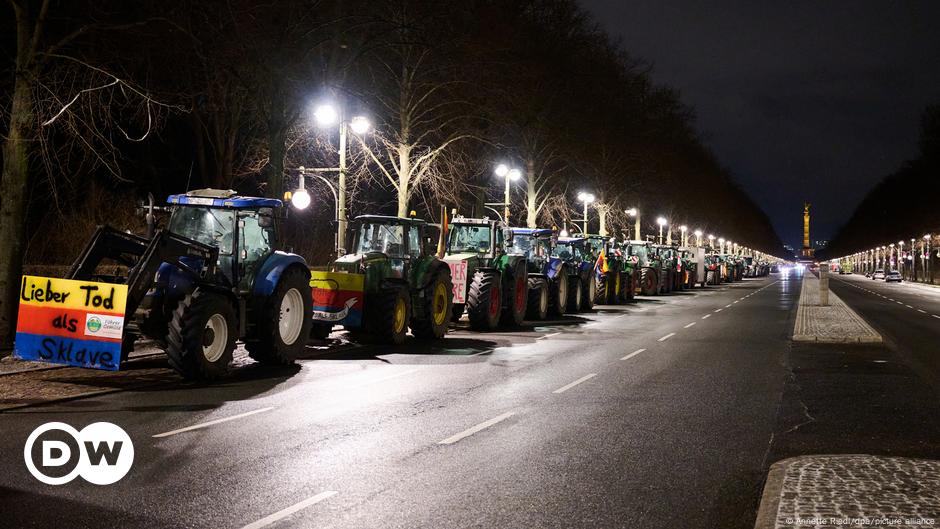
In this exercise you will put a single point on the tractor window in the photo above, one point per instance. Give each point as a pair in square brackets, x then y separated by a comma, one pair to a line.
[255, 243]
[211, 226]
[567, 251]
[521, 244]
[468, 238]
[385, 238]
[414, 241]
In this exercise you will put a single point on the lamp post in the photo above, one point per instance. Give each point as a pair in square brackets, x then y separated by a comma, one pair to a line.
[698, 238]
[635, 214]
[721, 244]
[662, 222]
[585, 198]
[326, 116]
[300, 199]
[901, 257]
[511, 174]
[682, 230]
[927, 258]
[711, 241]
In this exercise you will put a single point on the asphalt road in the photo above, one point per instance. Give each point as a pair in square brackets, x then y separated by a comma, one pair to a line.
[664, 413]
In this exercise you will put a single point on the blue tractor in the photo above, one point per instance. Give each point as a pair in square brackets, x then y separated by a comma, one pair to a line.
[212, 277]
[547, 275]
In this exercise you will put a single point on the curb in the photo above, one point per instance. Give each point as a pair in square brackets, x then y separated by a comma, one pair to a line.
[770, 498]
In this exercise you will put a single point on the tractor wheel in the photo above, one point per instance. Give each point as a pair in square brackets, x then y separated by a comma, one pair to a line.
[559, 293]
[614, 284]
[517, 297]
[433, 324]
[629, 287]
[388, 313]
[649, 283]
[127, 345]
[285, 321]
[456, 312]
[537, 308]
[600, 288]
[202, 335]
[588, 292]
[575, 291]
[484, 301]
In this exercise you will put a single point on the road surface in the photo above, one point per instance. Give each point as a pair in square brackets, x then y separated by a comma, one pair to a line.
[663, 413]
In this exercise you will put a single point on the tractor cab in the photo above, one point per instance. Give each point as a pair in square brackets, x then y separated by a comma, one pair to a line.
[572, 249]
[242, 228]
[641, 249]
[480, 237]
[535, 243]
[394, 241]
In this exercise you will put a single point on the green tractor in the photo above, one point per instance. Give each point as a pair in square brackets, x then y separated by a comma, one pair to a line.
[650, 266]
[389, 282]
[547, 275]
[490, 285]
[615, 276]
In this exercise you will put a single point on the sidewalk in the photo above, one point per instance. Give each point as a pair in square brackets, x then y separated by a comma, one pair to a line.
[836, 323]
[851, 491]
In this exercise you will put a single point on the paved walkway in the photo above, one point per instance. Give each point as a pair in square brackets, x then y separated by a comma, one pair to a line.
[851, 491]
[835, 323]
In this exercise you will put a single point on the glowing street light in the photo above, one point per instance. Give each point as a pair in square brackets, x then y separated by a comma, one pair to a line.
[508, 174]
[326, 115]
[662, 222]
[635, 214]
[682, 230]
[698, 238]
[585, 198]
[721, 243]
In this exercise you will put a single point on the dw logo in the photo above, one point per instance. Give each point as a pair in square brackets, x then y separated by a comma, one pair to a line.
[101, 453]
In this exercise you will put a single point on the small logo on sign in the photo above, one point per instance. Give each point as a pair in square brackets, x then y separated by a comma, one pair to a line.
[101, 453]
[94, 324]
[104, 326]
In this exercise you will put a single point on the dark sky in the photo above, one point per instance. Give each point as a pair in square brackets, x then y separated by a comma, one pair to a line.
[802, 100]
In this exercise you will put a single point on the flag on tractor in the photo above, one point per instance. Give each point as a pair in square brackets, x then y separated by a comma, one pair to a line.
[602, 263]
[442, 241]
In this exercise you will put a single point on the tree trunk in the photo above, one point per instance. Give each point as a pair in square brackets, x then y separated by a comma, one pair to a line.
[277, 147]
[13, 187]
[602, 218]
[531, 207]
[404, 178]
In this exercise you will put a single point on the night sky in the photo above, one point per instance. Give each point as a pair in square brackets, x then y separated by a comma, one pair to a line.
[803, 100]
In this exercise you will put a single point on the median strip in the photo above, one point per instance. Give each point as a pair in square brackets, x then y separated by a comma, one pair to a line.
[566, 387]
[212, 423]
[284, 513]
[470, 431]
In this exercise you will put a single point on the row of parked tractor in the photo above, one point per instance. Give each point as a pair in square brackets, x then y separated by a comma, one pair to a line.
[213, 276]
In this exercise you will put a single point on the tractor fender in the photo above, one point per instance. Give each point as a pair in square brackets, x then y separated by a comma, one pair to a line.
[268, 276]
[554, 267]
[432, 270]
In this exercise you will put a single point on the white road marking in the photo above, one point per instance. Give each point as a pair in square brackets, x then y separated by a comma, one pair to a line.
[922, 311]
[908, 306]
[737, 301]
[548, 335]
[279, 515]
[211, 423]
[689, 325]
[668, 336]
[719, 310]
[705, 317]
[566, 387]
[935, 316]
[482, 426]
[634, 353]
[899, 303]
[728, 306]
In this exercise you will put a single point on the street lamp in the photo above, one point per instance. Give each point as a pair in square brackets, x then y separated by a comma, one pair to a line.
[635, 213]
[662, 222]
[585, 198]
[682, 230]
[721, 244]
[711, 241]
[510, 174]
[927, 257]
[327, 115]
[698, 238]
[300, 199]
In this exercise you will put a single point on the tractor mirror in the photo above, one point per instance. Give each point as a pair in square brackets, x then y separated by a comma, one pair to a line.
[266, 217]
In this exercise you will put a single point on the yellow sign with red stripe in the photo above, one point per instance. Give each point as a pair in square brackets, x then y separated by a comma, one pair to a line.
[64, 321]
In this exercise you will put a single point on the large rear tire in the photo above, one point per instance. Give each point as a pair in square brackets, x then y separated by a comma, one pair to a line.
[484, 301]
[558, 301]
[614, 284]
[388, 314]
[285, 321]
[575, 291]
[649, 282]
[517, 297]
[589, 291]
[432, 325]
[600, 288]
[201, 337]
[629, 291]
[537, 307]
